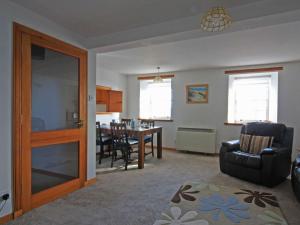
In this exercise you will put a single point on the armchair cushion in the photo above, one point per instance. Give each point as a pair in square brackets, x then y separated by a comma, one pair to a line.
[258, 143]
[244, 159]
[245, 140]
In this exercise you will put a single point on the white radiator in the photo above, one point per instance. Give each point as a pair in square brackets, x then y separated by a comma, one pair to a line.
[196, 140]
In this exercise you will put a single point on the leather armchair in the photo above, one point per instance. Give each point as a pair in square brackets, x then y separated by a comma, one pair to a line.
[268, 168]
[296, 177]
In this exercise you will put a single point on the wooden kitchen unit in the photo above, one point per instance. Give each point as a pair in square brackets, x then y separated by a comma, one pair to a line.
[108, 100]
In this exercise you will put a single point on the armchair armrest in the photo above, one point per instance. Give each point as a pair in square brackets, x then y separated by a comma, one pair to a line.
[276, 165]
[297, 162]
[231, 145]
[272, 151]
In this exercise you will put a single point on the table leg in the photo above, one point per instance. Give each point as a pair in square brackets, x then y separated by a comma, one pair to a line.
[141, 151]
[159, 144]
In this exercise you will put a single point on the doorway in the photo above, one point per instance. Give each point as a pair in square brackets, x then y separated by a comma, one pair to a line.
[50, 114]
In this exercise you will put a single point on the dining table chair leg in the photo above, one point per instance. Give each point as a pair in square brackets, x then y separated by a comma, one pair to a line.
[159, 144]
[112, 158]
[141, 152]
[152, 147]
[101, 155]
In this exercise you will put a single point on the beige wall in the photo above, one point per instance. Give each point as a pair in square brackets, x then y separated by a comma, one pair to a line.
[214, 114]
[116, 81]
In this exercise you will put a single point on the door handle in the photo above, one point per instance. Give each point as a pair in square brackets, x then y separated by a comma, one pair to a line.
[80, 123]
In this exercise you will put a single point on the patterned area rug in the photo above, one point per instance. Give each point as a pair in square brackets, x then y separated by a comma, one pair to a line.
[198, 203]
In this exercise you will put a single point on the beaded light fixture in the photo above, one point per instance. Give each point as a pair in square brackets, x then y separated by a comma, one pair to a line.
[158, 79]
[216, 19]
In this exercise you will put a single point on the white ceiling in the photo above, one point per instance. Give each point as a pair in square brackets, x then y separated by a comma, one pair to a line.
[167, 32]
[101, 17]
[272, 44]
[108, 25]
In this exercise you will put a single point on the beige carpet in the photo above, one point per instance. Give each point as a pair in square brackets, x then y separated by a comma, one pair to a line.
[137, 197]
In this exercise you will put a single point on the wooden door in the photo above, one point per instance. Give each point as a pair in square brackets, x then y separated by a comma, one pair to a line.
[50, 131]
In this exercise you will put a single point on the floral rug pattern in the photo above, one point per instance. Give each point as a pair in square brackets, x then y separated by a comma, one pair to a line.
[199, 203]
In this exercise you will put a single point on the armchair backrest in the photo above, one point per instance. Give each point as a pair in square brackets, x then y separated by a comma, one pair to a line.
[283, 136]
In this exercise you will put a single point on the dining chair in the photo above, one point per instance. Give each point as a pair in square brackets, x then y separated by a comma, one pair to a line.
[121, 142]
[102, 140]
[126, 121]
[149, 138]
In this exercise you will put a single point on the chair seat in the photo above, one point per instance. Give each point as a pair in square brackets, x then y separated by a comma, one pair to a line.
[133, 141]
[147, 138]
[106, 140]
[244, 159]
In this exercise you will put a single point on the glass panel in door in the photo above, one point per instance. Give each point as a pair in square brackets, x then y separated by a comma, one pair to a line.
[55, 90]
[54, 165]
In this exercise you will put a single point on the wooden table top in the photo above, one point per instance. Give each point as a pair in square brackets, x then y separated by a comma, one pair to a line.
[135, 129]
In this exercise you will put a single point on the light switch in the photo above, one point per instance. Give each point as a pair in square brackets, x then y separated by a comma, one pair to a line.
[91, 98]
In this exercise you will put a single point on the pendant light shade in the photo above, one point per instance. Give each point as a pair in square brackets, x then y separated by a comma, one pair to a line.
[215, 20]
[158, 79]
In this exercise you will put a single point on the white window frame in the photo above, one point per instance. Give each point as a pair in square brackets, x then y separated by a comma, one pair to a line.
[273, 95]
[157, 118]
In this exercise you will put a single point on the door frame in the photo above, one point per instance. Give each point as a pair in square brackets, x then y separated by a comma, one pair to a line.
[18, 129]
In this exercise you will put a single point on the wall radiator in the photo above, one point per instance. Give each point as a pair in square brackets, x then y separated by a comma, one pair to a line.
[196, 140]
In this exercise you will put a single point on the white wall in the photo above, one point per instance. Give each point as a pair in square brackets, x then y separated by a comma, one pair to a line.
[91, 168]
[214, 114]
[10, 12]
[116, 81]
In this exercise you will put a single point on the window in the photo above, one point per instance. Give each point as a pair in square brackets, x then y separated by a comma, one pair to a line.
[156, 99]
[253, 97]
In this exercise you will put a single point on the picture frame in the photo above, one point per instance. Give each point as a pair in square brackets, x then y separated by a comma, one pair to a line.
[197, 93]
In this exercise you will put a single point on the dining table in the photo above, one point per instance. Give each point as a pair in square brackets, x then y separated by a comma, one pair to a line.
[140, 132]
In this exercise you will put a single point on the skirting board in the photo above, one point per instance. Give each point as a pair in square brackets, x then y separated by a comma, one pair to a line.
[17, 214]
[90, 182]
[174, 149]
[164, 148]
[6, 218]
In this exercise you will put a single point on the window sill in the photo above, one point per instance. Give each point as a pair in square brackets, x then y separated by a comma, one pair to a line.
[158, 120]
[233, 124]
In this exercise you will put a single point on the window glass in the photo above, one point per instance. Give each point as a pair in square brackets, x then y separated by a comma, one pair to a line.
[253, 98]
[155, 99]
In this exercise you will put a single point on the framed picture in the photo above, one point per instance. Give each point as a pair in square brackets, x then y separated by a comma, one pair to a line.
[197, 93]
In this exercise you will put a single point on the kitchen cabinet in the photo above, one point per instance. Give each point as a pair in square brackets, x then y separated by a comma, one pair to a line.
[108, 100]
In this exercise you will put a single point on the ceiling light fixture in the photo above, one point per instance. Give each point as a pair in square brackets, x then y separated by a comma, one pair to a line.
[158, 79]
[216, 19]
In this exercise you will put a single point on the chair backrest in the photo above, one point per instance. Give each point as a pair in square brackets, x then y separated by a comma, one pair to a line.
[98, 132]
[150, 123]
[283, 136]
[126, 121]
[119, 134]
